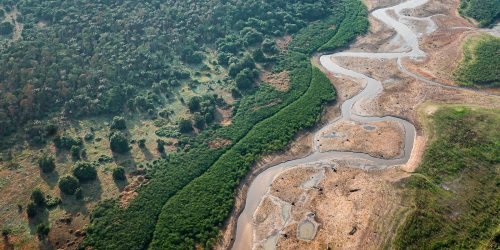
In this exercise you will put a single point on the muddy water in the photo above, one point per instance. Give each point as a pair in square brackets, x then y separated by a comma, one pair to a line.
[260, 186]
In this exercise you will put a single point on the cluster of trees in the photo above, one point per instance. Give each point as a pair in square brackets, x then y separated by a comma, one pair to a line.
[137, 221]
[82, 172]
[486, 12]
[101, 57]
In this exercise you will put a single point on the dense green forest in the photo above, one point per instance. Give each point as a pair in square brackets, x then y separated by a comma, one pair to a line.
[111, 224]
[456, 189]
[486, 12]
[85, 58]
[480, 65]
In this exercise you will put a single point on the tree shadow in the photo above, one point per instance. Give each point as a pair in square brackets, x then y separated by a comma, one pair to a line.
[121, 184]
[42, 217]
[50, 178]
[147, 154]
[7, 245]
[91, 190]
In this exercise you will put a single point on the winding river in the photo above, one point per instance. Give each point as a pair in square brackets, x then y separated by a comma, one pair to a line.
[260, 185]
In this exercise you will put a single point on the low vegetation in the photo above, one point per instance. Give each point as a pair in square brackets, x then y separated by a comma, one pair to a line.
[480, 65]
[456, 191]
[486, 12]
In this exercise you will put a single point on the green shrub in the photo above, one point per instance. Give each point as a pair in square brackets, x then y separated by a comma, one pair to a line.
[185, 126]
[68, 185]
[119, 142]
[47, 163]
[84, 171]
[118, 123]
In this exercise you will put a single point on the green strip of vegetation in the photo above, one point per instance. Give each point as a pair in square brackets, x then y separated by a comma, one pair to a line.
[110, 224]
[486, 12]
[480, 65]
[456, 190]
[194, 214]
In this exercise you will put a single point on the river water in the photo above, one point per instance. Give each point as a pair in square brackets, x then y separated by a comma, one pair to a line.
[260, 185]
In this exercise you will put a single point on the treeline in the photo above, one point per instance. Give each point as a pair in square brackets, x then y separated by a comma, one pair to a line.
[486, 12]
[85, 58]
[136, 223]
[480, 65]
[194, 215]
[455, 191]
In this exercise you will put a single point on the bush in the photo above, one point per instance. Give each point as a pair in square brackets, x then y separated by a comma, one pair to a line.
[68, 185]
[199, 121]
[38, 197]
[66, 142]
[119, 174]
[142, 143]
[194, 104]
[119, 143]
[185, 126]
[118, 123]
[160, 145]
[84, 171]
[46, 163]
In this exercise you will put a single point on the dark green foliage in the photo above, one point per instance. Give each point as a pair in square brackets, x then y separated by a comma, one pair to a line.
[66, 142]
[464, 157]
[42, 231]
[52, 202]
[84, 171]
[194, 104]
[199, 121]
[118, 123]
[119, 143]
[486, 12]
[245, 78]
[31, 210]
[185, 126]
[6, 28]
[75, 152]
[68, 184]
[480, 65]
[38, 197]
[142, 143]
[47, 163]
[119, 174]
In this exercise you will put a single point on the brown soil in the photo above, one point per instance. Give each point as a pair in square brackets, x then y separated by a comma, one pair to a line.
[283, 42]
[378, 139]
[219, 143]
[281, 81]
[354, 208]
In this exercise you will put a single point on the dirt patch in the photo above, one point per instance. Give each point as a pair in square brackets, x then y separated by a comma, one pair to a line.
[281, 81]
[224, 116]
[219, 143]
[129, 192]
[283, 42]
[378, 139]
[355, 209]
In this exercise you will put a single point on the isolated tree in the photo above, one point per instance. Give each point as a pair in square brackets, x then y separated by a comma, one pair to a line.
[118, 123]
[46, 163]
[119, 174]
[119, 143]
[84, 171]
[38, 197]
[68, 185]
